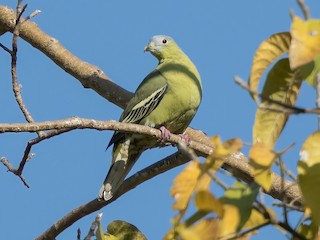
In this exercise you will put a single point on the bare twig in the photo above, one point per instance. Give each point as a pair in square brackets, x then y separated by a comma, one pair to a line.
[10, 168]
[89, 75]
[35, 13]
[223, 185]
[304, 8]
[244, 233]
[78, 234]
[5, 48]
[318, 96]
[63, 126]
[288, 108]
[288, 206]
[93, 226]
[15, 85]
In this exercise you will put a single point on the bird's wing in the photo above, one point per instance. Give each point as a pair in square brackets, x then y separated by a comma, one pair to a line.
[146, 98]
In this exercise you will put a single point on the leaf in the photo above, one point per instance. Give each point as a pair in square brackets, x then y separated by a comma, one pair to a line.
[312, 69]
[305, 43]
[261, 160]
[237, 204]
[256, 218]
[121, 230]
[309, 174]
[186, 183]
[282, 85]
[309, 231]
[269, 50]
[206, 229]
[205, 201]
[221, 151]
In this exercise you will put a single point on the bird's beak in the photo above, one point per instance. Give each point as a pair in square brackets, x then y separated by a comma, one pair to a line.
[146, 48]
[149, 47]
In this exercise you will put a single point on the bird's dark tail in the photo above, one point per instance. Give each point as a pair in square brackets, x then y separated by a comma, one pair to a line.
[115, 177]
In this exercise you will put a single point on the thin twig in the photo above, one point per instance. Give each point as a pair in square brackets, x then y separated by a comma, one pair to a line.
[243, 233]
[318, 96]
[289, 206]
[10, 168]
[5, 48]
[220, 183]
[15, 85]
[305, 9]
[93, 226]
[78, 234]
[282, 174]
[27, 155]
[288, 108]
[35, 13]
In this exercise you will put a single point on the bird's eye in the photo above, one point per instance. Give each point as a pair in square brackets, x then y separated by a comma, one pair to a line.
[164, 41]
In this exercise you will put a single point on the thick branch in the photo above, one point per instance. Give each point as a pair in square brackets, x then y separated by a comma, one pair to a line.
[89, 75]
[236, 161]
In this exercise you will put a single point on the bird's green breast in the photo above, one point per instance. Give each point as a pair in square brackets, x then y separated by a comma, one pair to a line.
[182, 99]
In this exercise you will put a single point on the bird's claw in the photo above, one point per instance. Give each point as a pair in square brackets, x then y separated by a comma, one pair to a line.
[165, 134]
[186, 138]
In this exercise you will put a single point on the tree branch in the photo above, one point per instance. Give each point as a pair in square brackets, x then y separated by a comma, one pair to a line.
[92, 77]
[236, 163]
[89, 75]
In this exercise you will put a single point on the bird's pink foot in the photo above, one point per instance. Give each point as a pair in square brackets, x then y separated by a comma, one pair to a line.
[186, 138]
[165, 134]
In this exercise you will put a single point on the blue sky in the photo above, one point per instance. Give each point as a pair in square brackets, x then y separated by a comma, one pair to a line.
[67, 171]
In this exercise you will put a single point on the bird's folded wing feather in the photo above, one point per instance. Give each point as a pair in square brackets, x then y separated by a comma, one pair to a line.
[147, 97]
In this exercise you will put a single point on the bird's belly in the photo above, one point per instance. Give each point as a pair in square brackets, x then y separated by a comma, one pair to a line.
[174, 117]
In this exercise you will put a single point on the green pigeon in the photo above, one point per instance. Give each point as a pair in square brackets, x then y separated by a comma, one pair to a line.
[167, 99]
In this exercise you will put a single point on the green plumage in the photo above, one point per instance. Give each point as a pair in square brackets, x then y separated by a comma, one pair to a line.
[168, 97]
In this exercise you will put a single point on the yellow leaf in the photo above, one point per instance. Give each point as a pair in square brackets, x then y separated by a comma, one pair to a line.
[206, 229]
[230, 221]
[184, 184]
[271, 49]
[305, 43]
[309, 174]
[261, 160]
[221, 151]
[205, 201]
[189, 180]
[282, 85]
[237, 205]
[233, 145]
[257, 218]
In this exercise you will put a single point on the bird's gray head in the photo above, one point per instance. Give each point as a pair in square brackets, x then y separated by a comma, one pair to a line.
[161, 46]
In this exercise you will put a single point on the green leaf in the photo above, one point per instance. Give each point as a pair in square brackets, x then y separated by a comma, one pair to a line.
[309, 174]
[237, 202]
[122, 230]
[269, 50]
[309, 231]
[311, 70]
[282, 85]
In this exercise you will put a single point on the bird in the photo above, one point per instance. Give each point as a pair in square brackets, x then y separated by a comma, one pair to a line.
[167, 98]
